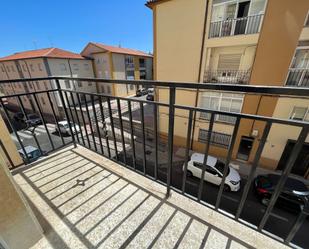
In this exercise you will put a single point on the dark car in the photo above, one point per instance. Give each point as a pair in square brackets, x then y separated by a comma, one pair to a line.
[150, 97]
[33, 119]
[141, 92]
[19, 116]
[294, 195]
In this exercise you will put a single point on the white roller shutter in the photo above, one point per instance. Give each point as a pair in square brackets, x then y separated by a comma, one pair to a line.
[229, 61]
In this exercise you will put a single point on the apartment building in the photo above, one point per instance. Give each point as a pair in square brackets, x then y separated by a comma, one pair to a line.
[118, 63]
[44, 63]
[234, 42]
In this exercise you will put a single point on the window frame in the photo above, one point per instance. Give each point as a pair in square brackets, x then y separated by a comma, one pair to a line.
[306, 115]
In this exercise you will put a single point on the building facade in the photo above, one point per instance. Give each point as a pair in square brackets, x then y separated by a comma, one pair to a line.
[233, 42]
[118, 63]
[43, 63]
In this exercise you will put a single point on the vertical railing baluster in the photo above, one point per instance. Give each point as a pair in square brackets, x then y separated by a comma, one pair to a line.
[83, 119]
[43, 120]
[112, 125]
[210, 128]
[171, 120]
[90, 123]
[64, 109]
[227, 161]
[97, 124]
[14, 129]
[33, 131]
[189, 131]
[77, 118]
[104, 126]
[253, 169]
[72, 117]
[121, 131]
[55, 117]
[155, 127]
[132, 134]
[292, 158]
[141, 106]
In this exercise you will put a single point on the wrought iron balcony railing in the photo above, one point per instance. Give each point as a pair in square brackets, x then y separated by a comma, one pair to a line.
[298, 77]
[227, 76]
[131, 137]
[237, 26]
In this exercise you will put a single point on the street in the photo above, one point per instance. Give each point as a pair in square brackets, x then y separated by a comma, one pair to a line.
[279, 223]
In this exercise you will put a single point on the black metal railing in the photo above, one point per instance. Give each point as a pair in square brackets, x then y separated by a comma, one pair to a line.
[227, 76]
[117, 137]
[236, 26]
[298, 77]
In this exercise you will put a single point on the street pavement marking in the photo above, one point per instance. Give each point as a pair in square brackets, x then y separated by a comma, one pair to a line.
[276, 216]
[24, 135]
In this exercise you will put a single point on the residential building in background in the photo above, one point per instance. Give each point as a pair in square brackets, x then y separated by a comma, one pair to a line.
[118, 63]
[234, 42]
[44, 63]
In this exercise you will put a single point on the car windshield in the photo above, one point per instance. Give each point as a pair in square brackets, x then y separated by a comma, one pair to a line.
[220, 167]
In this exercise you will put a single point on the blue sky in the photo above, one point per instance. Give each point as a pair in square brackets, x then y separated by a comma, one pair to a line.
[71, 24]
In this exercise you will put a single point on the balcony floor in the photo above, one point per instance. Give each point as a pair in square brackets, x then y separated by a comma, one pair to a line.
[83, 200]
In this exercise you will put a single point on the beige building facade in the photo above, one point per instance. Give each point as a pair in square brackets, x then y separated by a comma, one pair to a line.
[235, 42]
[111, 62]
[39, 64]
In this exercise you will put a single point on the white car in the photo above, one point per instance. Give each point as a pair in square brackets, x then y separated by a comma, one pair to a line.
[65, 129]
[213, 172]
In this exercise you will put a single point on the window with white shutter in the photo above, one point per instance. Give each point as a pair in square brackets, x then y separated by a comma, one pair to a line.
[229, 62]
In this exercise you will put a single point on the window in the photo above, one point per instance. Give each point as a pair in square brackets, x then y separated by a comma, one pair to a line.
[79, 83]
[89, 83]
[86, 67]
[98, 61]
[43, 100]
[8, 69]
[141, 62]
[13, 68]
[38, 85]
[229, 62]
[18, 67]
[30, 85]
[63, 67]
[109, 90]
[131, 87]
[222, 102]
[24, 68]
[67, 84]
[130, 75]
[102, 89]
[40, 66]
[216, 138]
[2, 69]
[300, 113]
[31, 68]
[45, 85]
[75, 67]
[20, 85]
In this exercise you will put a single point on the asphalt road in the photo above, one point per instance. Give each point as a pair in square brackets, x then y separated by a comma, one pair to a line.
[279, 223]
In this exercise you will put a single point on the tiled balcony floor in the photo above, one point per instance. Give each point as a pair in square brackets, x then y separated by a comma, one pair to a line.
[83, 200]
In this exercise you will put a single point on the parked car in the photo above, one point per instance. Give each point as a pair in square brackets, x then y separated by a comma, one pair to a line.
[65, 128]
[141, 92]
[213, 172]
[150, 97]
[294, 195]
[150, 90]
[33, 153]
[31, 119]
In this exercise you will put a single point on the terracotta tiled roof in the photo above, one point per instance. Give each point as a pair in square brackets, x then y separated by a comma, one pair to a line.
[121, 50]
[45, 52]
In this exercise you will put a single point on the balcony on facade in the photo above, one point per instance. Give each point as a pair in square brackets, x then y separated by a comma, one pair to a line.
[227, 76]
[236, 26]
[116, 181]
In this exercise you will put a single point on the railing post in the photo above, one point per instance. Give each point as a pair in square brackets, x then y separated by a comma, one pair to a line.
[65, 110]
[170, 138]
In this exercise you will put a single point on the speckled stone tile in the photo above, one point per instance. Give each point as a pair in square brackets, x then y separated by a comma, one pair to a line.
[91, 202]
[152, 228]
[173, 231]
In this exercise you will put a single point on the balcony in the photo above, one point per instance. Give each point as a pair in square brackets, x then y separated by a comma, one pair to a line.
[227, 76]
[298, 77]
[114, 181]
[236, 26]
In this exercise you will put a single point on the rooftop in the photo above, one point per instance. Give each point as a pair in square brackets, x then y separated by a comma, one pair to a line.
[43, 53]
[118, 50]
[83, 200]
